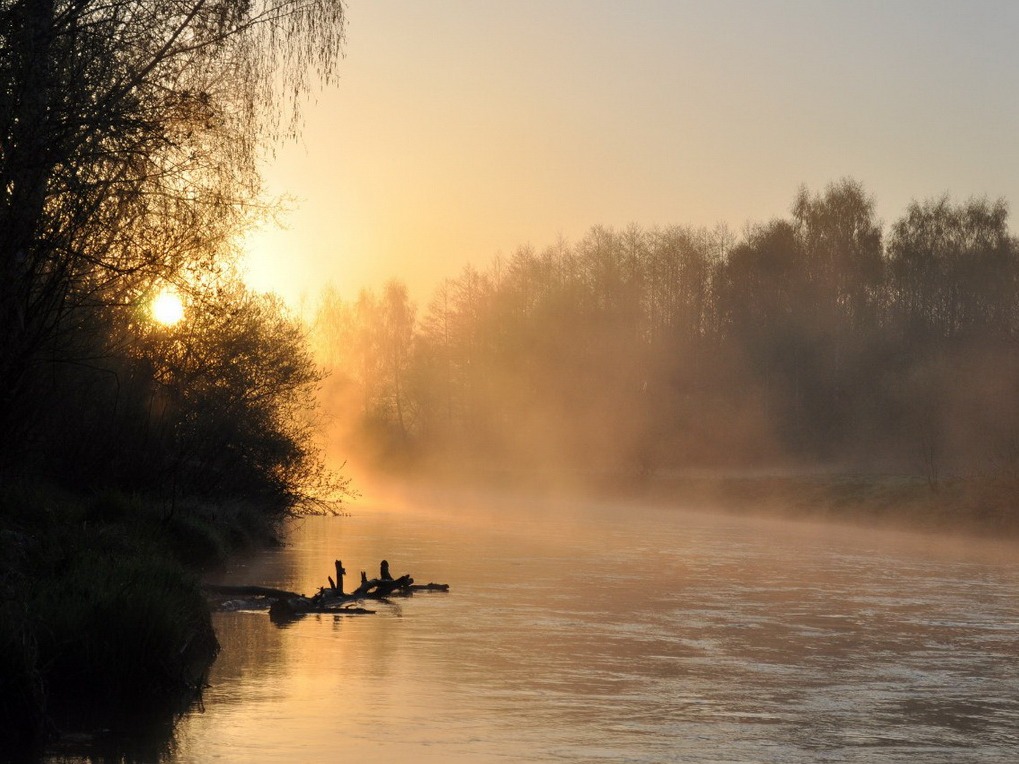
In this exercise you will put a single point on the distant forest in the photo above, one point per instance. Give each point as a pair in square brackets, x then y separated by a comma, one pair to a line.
[821, 338]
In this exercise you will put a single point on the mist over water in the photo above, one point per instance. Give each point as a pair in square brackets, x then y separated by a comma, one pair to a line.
[824, 340]
[609, 631]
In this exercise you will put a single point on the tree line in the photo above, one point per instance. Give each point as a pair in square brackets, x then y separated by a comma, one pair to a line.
[816, 338]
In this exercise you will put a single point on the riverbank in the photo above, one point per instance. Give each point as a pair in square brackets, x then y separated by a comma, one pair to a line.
[103, 624]
[981, 505]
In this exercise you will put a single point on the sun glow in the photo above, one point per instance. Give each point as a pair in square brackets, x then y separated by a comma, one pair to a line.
[167, 307]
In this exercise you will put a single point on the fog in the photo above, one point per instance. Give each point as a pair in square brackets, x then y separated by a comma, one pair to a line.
[823, 363]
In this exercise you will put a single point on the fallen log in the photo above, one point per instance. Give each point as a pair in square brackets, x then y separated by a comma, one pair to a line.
[284, 605]
[385, 587]
[363, 588]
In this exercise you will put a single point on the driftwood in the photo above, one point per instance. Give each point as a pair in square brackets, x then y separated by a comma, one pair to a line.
[379, 588]
[284, 605]
[339, 577]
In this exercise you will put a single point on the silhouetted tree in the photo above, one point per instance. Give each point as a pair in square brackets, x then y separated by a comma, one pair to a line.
[953, 271]
[764, 300]
[953, 291]
[129, 133]
[398, 315]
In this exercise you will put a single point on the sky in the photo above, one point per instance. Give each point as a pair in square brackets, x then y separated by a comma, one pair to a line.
[461, 130]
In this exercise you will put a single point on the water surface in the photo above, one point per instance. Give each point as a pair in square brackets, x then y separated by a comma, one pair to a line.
[585, 633]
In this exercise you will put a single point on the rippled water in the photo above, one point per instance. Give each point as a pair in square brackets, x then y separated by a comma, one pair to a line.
[612, 633]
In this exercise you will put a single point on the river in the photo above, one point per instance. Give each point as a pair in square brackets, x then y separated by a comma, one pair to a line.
[585, 632]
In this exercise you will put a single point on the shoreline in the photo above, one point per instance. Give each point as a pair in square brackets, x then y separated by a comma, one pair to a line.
[104, 626]
[983, 505]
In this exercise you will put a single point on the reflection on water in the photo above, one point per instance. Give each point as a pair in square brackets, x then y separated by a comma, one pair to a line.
[642, 636]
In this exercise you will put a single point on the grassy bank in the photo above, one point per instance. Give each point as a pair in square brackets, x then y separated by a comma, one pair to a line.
[102, 620]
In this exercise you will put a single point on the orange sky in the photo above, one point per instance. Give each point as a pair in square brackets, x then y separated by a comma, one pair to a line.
[461, 130]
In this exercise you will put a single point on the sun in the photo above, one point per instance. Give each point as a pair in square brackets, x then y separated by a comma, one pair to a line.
[167, 307]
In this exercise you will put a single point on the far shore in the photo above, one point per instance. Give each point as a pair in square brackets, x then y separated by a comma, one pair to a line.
[977, 505]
